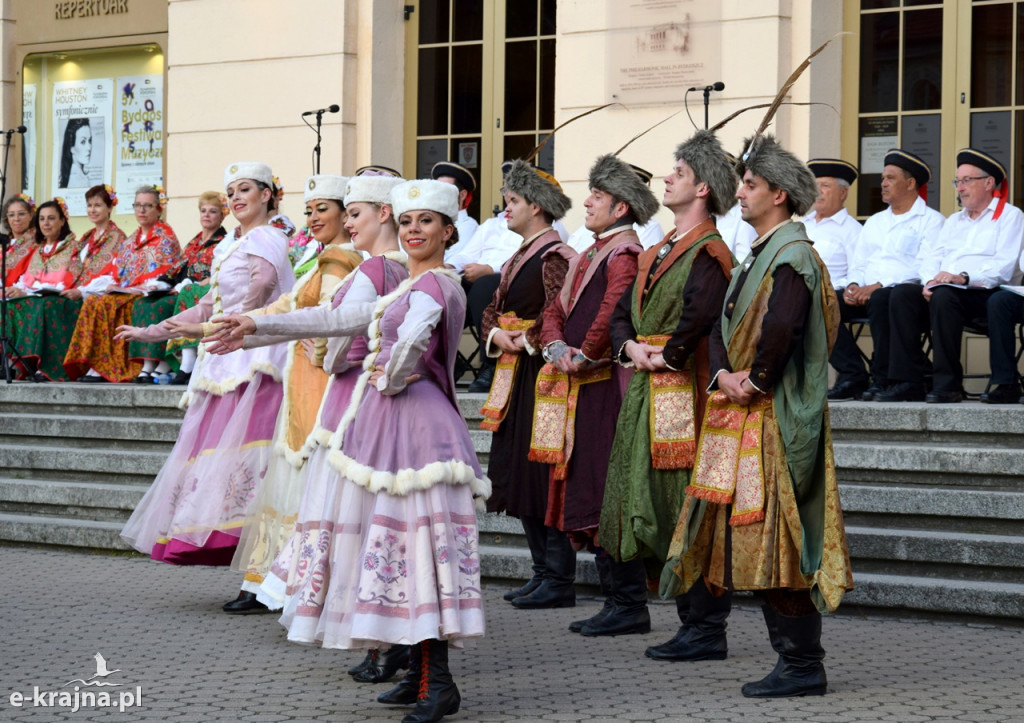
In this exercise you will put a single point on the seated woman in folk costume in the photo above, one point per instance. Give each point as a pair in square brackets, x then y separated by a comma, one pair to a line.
[16, 222]
[94, 355]
[189, 280]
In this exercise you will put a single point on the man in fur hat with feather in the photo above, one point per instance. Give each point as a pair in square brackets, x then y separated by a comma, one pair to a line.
[579, 390]
[660, 328]
[762, 510]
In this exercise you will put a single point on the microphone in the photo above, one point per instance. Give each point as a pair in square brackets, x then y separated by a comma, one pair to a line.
[19, 129]
[330, 109]
[717, 85]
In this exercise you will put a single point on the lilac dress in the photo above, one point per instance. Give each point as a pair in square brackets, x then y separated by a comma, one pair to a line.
[373, 279]
[196, 506]
[392, 555]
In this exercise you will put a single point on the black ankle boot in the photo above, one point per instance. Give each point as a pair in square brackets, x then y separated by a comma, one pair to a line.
[245, 604]
[385, 664]
[629, 614]
[799, 670]
[556, 589]
[364, 664]
[408, 687]
[607, 588]
[438, 695]
[537, 540]
[702, 636]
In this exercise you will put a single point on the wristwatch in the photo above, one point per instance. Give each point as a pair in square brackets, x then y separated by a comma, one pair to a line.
[967, 278]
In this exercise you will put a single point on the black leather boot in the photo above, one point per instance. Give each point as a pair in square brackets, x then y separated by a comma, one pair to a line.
[799, 670]
[604, 579]
[385, 664]
[245, 604]
[537, 540]
[555, 590]
[408, 687]
[364, 664]
[629, 614]
[438, 695]
[702, 636]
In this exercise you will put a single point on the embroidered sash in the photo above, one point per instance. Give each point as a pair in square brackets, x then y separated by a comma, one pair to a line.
[728, 467]
[554, 414]
[496, 406]
[671, 417]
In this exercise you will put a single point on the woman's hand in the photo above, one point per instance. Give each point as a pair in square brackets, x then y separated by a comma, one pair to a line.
[182, 328]
[73, 294]
[13, 292]
[128, 333]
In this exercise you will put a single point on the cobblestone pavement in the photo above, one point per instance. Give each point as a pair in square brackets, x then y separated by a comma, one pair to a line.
[162, 629]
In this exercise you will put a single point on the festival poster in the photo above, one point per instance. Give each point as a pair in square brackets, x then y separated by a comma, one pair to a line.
[28, 140]
[81, 135]
[140, 132]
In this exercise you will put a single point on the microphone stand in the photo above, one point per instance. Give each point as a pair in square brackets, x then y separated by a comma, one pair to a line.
[707, 100]
[316, 148]
[7, 349]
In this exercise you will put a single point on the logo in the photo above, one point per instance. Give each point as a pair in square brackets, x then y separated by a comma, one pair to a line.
[84, 693]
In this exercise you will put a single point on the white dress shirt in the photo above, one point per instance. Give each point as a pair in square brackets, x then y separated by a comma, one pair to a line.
[988, 250]
[737, 233]
[835, 239]
[467, 227]
[493, 244]
[892, 246]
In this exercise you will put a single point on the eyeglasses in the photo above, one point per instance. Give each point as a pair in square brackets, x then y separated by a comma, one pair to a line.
[143, 206]
[957, 182]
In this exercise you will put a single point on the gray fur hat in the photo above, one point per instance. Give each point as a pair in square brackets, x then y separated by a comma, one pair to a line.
[781, 169]
[704, 154]
[614, 176]
[538, 187]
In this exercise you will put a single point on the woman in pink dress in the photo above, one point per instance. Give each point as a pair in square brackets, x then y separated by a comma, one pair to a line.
[194, 510]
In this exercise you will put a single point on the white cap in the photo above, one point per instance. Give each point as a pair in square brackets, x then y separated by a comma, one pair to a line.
[370, 189]
[325, 186]
[253, 170]
[425, 194]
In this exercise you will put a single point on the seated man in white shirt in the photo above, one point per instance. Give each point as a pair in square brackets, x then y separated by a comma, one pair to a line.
[834, 233]
[890, 251]
[649, 233]
[463, 179]
[977, 250]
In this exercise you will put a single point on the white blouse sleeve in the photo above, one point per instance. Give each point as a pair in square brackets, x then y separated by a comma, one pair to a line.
[413, 337]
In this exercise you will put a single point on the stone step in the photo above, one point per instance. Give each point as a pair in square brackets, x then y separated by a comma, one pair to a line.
[963, 597]
[926, 508]
[933, 553]
[85, 430]
[74, 398]
[93, 500]
[930, 464]
[62, 531]
[968, 423]
[64, 462]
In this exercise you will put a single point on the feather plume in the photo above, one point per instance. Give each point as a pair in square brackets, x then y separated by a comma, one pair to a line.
[729, 117]
[540, 146]
[643, 133]
[790, 81]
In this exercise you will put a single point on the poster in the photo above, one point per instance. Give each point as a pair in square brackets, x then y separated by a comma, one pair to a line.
[140, 132]
[28, 140]
[81, 136]
[657, 49]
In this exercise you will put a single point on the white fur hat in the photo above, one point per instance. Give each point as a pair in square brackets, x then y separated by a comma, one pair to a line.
[425, 194]
[326, 185]
[370, 189]
[248, 169]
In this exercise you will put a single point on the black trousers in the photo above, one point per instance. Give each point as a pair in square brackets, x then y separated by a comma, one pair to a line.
[479, 295]
[945, 315]
[1005, 311]
[845, 357]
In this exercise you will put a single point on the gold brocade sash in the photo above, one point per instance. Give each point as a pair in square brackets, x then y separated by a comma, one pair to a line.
[554, 414]
[671, 419]
[728, 467]
[496, 406]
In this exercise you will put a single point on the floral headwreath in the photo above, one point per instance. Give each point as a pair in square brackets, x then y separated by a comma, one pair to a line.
[278, 189]
[29, 201]
[161, 196]
[63, 206]
[224, 210]
[110, 192]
